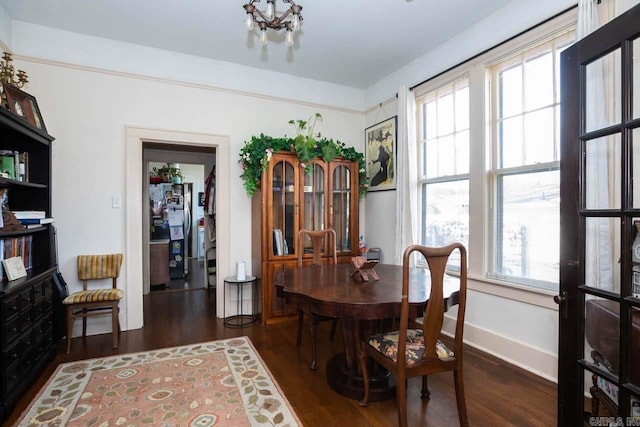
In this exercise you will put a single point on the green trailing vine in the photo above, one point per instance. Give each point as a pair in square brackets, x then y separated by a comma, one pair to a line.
[256, 153]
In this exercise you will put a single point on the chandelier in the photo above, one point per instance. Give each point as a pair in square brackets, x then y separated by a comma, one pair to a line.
[269, 19]
[8, 74]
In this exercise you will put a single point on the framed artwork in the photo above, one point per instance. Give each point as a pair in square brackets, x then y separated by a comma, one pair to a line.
[380, 154]
[24, 105]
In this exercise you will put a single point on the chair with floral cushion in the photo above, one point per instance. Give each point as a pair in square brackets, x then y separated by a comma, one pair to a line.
[422, 351]
[319, 239]
[91, 302]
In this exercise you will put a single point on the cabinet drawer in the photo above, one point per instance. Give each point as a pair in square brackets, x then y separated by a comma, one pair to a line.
[12, 378]
[26, 299]
[39, 291]
[10, 306]
[10, 330]
[26, 319]
[12, 354]
[41, 308]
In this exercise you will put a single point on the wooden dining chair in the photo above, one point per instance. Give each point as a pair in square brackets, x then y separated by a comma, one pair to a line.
[93, 302]
[319, 239]
[422, 352]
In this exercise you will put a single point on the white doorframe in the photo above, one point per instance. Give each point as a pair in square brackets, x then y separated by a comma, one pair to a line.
[135, 238]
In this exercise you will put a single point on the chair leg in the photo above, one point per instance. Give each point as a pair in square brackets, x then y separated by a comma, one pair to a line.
[300, 327]
[362, 359]
[314, 347]
[115, 324]
[69, 327]
[425, 393]
[332, 334]
[462, 407]
[401, 398]
[84, 322]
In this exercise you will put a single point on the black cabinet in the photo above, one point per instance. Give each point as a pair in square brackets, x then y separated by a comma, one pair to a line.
[26, 304]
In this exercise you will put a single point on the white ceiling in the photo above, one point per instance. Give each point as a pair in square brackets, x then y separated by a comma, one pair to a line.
[348, 42]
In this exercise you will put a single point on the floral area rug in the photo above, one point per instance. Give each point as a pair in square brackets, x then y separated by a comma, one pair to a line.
[218, 383]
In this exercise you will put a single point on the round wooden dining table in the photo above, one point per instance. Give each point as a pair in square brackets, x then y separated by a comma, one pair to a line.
[331, 290]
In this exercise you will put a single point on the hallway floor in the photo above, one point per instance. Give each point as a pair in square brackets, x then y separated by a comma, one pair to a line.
[194, 280]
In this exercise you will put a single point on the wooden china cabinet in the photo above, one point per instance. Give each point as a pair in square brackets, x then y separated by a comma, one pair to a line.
[292, 197]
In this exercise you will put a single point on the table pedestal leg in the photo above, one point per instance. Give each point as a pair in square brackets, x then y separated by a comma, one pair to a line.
[348, 382]
[343, 373]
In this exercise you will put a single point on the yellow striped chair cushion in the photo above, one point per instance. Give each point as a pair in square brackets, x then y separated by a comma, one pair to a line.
[99, 266]
[95, 295]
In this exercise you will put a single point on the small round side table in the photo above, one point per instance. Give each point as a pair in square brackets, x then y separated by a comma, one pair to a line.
[240, 319]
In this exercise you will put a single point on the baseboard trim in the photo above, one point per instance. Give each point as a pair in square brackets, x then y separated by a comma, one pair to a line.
[534, 360]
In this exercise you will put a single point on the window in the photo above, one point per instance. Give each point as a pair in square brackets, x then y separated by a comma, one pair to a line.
[444, 164]
[525, 172]
[488, 144]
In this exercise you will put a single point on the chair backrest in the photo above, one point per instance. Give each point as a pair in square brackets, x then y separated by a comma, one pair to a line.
[94, 267]
[318, 239]
[434, 314]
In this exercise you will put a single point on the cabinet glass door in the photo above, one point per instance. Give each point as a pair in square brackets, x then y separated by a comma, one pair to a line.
[313, 212]
[283, 207]
[341, 207]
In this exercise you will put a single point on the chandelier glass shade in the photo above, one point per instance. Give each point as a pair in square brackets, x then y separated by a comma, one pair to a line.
[269, 18]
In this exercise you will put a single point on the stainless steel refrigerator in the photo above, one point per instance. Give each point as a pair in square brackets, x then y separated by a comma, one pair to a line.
[171, 219]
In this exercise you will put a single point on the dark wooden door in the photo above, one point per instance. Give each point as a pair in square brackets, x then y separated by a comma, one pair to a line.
[599, 305]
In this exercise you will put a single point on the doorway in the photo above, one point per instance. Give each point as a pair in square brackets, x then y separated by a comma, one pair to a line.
[136, 180]
[176, 217]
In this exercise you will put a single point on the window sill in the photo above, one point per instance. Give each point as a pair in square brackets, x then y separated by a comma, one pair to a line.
[529, 295]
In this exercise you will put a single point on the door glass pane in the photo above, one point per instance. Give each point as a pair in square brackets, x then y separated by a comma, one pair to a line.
[314, 199]
[602, 332]
[636, 80]
[634, 355]
[602, 184]
[602, 253]
[341, 193]
[634, 404]
[635, 167]
[603, 105]
[283, 209]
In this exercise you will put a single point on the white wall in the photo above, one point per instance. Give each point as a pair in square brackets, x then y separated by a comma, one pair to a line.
[515, 17]
[5, 29]
[104, 54]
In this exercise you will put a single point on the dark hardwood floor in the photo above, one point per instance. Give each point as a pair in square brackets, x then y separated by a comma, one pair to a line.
[497, 393]
[194, 279]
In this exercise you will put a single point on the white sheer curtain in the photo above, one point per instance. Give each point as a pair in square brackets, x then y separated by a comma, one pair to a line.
[407, 175]
[600, 164]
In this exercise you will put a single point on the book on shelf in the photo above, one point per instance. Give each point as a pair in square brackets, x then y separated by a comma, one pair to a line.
[7, 166]
[14, 267]
[35, 221]
[14, 165]
[30, 214]
[277, 242]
